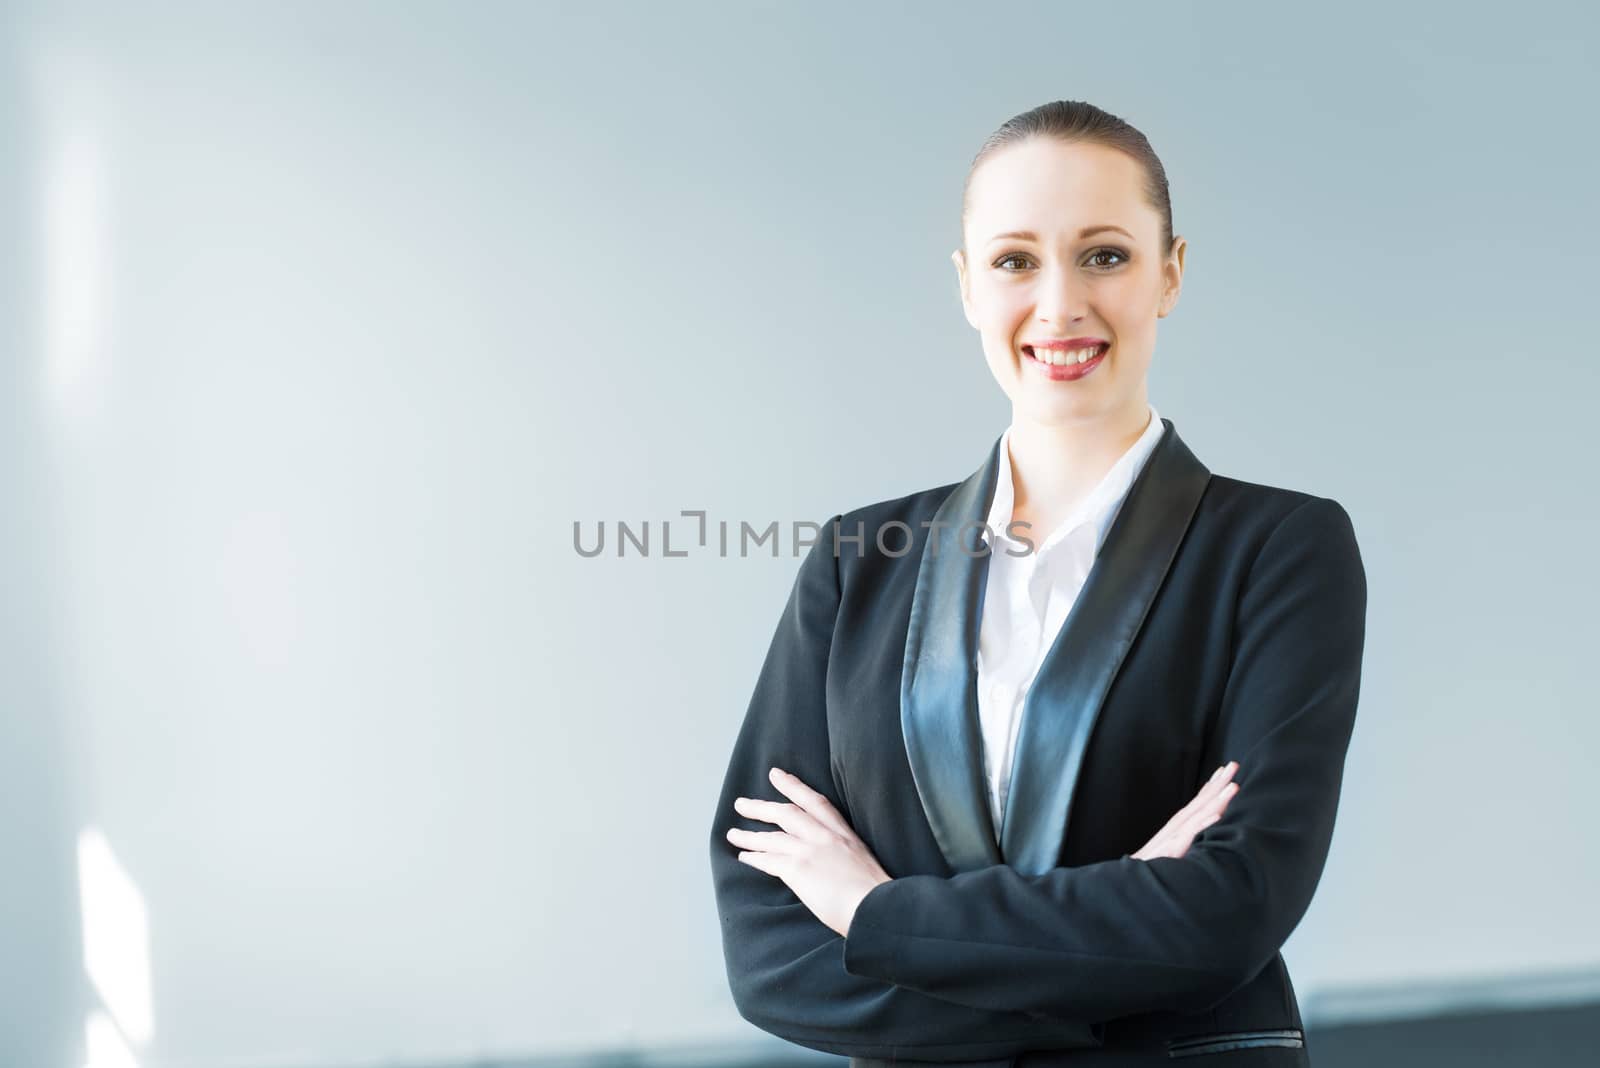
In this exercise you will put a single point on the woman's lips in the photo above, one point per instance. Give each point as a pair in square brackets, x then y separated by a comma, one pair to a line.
[1066, 372]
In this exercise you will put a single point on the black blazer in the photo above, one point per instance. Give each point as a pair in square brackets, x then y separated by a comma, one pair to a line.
[1222, 620]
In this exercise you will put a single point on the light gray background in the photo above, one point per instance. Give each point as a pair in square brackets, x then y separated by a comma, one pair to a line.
[331, 319]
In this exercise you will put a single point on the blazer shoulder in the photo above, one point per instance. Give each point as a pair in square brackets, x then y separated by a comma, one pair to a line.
[1249, 516]
[908, 508]
[1255, 503]
[885, 533]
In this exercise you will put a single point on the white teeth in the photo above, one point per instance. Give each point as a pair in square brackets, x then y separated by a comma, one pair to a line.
[1059, 357]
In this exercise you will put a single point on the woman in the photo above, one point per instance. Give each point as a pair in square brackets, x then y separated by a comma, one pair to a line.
[1004, 721]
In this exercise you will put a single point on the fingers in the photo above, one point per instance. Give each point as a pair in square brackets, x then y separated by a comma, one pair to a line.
[1220, 777]
[1208, 805]
[770, 863]
[809, 819]
[795, 821]
[1200, 822]
[764, 841]
[1210, 790]
[1205, 809]
[812, 801]
[791, 818]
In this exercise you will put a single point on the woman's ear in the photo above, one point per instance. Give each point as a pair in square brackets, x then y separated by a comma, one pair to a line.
[960, 260]
[1172, 278]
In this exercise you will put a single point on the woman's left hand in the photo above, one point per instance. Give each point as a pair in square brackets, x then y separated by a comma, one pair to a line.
[817, 854]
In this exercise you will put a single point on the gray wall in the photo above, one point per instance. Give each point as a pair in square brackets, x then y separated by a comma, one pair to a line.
[339, 316]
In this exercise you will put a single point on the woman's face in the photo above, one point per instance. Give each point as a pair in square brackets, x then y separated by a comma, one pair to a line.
[1061, 245]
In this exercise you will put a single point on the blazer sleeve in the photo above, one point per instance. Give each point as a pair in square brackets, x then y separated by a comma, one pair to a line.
[785, 966]
[1125, 936]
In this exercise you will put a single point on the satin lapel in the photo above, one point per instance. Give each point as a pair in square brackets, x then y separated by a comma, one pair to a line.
[1064, 700]
[939, 679]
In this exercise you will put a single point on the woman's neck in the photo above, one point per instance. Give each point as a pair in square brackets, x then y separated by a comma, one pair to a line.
[1055, 466]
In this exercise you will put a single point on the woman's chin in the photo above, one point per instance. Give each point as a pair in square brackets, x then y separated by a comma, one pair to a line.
[1059, 405]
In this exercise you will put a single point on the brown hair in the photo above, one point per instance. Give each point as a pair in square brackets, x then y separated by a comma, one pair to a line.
[1078, 121]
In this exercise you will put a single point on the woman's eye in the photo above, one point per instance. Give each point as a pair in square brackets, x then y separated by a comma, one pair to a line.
[1096, 259]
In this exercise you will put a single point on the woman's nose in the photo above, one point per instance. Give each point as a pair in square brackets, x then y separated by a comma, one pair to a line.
[1061, 297]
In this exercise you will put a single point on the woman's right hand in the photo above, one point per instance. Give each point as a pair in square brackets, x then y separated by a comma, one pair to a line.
[1206, 808]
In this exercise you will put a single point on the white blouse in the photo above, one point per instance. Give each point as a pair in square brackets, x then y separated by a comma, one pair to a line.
[1028, 597]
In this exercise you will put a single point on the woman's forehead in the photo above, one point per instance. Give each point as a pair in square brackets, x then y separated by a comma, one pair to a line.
[1055, 190]
[1055, 214]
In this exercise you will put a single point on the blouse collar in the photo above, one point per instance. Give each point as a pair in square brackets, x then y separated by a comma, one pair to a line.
[1099, 508]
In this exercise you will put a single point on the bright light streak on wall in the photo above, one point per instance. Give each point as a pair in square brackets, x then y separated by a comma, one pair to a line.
[106, 1048]
[116, 937]
[75, 244]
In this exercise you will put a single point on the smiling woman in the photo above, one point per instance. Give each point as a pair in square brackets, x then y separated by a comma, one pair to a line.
[982, 808]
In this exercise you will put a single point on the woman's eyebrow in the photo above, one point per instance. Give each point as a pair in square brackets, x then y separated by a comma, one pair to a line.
[1029, 235]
